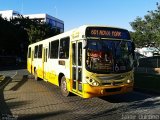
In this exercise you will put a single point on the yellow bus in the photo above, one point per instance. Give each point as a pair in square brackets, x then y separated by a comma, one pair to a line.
[88, 61]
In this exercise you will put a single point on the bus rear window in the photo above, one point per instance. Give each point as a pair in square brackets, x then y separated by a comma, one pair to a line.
[29, 53]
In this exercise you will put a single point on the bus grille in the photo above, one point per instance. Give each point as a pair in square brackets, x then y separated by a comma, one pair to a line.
[110, 83]
[113, 90]
[115, 77]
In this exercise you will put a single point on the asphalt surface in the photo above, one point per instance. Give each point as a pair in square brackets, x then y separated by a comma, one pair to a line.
[23, 98]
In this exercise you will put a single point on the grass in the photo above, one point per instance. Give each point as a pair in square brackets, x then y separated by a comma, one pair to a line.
[147, 81]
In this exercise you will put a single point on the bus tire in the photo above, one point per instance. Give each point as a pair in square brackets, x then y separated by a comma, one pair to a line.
[64, 90]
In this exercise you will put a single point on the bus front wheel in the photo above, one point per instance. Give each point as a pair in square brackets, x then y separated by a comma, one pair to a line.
[64, 90]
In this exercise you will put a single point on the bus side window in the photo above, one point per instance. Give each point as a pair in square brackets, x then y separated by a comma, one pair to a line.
[80, 53]
[36, 51]
[54, 49]
[74, 54]
[49, 51]
[64, 48]
[40, 51]
[46, 54]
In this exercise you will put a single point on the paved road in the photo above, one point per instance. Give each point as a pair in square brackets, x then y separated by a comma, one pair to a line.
[24, 98]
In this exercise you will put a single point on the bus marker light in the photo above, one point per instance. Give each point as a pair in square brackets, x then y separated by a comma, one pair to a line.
[129, 81]
[102, 92]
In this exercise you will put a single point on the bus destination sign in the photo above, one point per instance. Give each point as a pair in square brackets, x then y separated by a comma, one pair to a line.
[106, 32]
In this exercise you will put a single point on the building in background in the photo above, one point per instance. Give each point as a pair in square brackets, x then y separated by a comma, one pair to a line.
[54, 22]
[9, 14]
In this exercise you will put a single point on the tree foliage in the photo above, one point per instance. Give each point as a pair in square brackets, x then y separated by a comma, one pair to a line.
[8, 39]
[35, 29]
[147, 29]
[19, 32]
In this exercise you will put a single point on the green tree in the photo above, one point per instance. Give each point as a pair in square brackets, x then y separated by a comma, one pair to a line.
[19, 32]
[147, 29]
[8, 38]
[38, 32]
[35, 29]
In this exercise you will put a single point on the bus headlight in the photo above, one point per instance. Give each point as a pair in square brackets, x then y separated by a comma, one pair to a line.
[129, 81]
[93, 82]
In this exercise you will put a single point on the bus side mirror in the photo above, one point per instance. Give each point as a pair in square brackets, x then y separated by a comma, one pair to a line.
[133, 52]
[133, 46]
[136, 62]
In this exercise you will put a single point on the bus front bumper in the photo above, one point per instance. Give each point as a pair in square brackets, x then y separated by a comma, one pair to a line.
[91, 91]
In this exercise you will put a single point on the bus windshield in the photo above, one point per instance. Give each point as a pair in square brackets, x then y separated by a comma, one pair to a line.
[109, 56]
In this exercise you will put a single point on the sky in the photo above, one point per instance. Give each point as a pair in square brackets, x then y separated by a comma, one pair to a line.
[74, 13]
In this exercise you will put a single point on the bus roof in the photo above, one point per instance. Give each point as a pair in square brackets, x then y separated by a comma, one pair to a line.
[77, 33]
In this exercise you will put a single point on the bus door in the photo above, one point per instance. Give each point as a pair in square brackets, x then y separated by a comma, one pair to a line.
[45, 57]
[76, 74]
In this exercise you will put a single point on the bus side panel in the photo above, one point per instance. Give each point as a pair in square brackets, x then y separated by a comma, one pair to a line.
[90, 91]
[52, 76]
[29, 65]
[55, 69]
[29, 60]
[37, 66]
[40, 68]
